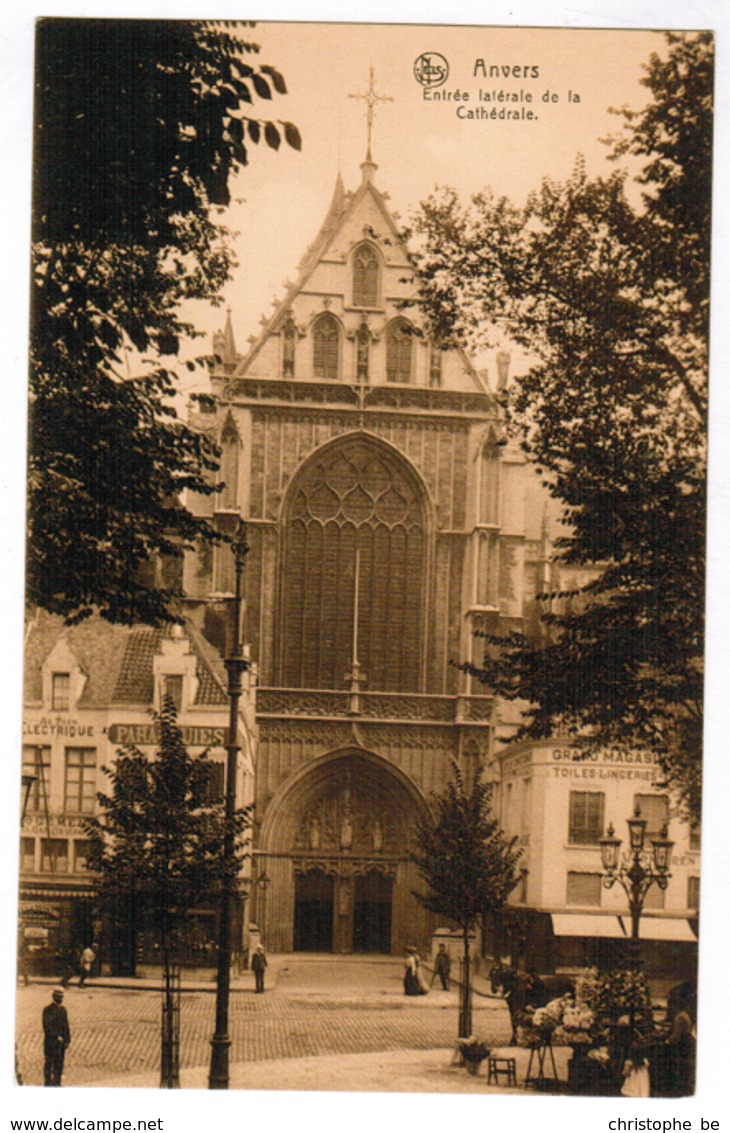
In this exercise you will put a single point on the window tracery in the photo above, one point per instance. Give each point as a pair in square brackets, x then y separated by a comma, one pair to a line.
[399, 351]
[365, 277]
[326, 341]
[355, 500]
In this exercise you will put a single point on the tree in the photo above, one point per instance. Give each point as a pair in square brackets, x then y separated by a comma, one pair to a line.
[611, 302]
[467, 863]
[156, 845]
[139, 127]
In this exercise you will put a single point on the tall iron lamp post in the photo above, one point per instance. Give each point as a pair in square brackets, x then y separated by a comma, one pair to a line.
[236, 664]
[636, 871]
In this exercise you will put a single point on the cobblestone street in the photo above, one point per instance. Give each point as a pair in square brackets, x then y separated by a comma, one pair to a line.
[314, 1006]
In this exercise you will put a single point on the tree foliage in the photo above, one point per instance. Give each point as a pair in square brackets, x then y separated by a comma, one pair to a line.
[157, 840]
[468, 864]
[610, 299]
[139, 127]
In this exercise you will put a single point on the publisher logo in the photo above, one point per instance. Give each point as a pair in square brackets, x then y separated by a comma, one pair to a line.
[431, 69]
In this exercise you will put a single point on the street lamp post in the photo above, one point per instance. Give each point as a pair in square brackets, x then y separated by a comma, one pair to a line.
[636, 871]
[236, 664]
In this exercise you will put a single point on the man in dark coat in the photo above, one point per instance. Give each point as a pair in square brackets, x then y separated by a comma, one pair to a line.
[258, 964]
[56, 1037]
[442, 967]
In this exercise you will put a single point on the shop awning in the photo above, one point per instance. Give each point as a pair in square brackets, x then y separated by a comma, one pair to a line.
[583, 924]
[664, 928]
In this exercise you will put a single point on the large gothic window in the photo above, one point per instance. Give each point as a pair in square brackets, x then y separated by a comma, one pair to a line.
[356, 501]
[365, 277]
[399, 351]
[326, 348]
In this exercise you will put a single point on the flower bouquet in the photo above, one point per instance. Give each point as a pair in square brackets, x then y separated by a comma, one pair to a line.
[473, 1052]
[577, 1026]
[537, 1025]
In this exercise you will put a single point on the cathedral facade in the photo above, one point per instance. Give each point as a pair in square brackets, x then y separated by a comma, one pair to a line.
[387, 522]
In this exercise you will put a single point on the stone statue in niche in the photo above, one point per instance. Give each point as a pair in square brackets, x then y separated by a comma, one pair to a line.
[290, 341]
[315, 833]
[346, 823]
[377, 836]
[434, 374]
[363, 353]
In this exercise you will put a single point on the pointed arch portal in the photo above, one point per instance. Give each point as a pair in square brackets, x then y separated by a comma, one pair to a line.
[336, 843]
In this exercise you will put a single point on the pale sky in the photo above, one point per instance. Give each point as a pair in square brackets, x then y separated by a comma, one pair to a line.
[417, 144]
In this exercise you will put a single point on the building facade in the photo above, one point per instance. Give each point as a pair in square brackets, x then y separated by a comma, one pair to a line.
[388, 520]
[558, 803]
[89, 691]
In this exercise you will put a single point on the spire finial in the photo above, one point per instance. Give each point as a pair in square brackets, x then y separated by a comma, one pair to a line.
[371, 98]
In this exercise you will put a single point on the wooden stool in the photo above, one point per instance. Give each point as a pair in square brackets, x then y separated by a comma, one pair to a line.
[504, 1066]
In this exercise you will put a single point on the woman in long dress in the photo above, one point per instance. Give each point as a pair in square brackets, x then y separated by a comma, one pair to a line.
[410, 975]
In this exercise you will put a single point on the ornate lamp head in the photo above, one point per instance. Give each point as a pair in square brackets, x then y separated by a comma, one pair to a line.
[662, 851]
[610, 849]
[637, 830]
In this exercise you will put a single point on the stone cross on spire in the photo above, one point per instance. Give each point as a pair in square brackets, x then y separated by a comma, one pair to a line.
[371, 98]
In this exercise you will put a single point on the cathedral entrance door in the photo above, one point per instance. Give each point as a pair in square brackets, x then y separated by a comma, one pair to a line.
[373, 913]
[313, 908]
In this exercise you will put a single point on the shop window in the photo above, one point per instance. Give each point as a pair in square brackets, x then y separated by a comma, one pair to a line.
[583, 889]
[60, 692]
[27, 854]
[54, 855]
[655, 809]
[365, 277]
[37, 762]
[80, 784]
[586, 817]
[82, 849]
[655, 897]
[693, 893]
[326, 342]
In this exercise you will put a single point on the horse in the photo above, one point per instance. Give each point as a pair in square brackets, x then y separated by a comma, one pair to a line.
[523, 989]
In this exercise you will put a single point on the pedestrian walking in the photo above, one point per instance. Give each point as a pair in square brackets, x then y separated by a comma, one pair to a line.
[423, 988]
[410, 977]
[23, 964]
[67, 961]
[56, 1038]
[258, 965]
[86, 963]
[442, 967]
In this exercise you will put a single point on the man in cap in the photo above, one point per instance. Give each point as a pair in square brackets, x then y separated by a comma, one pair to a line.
[258, 964]
[56, 1037]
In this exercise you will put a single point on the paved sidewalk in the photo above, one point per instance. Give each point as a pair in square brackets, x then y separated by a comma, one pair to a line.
[402, 1071]
[244, 980]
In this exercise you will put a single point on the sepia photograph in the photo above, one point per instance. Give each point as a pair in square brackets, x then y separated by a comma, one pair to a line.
[363, 602]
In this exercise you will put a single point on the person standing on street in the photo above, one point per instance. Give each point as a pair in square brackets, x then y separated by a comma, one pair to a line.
[443, 966]
[258, 965]
[86, 963]
[56, 1038]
